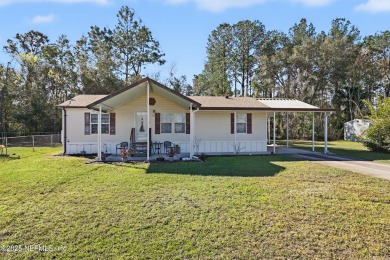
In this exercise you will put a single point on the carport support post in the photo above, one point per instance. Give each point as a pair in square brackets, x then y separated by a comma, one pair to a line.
[312, 133]
[287, 129]
[274, 133]
[147, 122]
[326, 134]
[99, 130]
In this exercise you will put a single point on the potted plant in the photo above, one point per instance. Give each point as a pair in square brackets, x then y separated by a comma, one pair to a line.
[124, 154]
[177, 148]
[171, 153]
[132, 152]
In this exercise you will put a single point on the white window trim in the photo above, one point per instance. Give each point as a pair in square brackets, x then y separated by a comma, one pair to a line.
[246, 123]
[90, 124]
[173, 122]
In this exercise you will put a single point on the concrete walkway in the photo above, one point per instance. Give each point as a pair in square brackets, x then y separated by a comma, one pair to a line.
[378, 170]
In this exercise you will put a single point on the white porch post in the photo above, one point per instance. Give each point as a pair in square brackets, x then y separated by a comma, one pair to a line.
[147, 122]
[191, 132]
[326, 134]
[235, 127]
[99, 135]
[287, 129]
[312, 137]
[269, 129]
[274, 133]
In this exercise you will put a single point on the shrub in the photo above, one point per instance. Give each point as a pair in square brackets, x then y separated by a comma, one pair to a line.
[375, 147]
[202, 157]
[378, 135]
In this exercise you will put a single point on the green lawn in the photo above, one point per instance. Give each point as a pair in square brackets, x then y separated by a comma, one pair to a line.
[229, 207]
[343, 148]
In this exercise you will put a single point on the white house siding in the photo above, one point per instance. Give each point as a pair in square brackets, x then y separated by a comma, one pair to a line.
[125, 120]
[213, 129]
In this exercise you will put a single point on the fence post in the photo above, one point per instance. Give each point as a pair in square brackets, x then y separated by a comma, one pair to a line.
[6, 146]
[33, 143]
[51, 141]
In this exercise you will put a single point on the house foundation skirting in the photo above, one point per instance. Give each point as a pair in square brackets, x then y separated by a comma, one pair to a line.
[207, 147]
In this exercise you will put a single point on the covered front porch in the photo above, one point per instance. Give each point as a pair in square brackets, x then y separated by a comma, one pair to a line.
[150, 120]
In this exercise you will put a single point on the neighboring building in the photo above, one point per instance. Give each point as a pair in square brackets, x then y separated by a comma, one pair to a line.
[220, 123]
[354, 129]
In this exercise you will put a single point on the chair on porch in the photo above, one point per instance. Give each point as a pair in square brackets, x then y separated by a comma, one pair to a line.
[168, 145]
[122, 145]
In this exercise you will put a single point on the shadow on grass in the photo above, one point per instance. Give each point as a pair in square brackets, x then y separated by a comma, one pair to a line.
[363, 155]
[348, 149]
[243, 166]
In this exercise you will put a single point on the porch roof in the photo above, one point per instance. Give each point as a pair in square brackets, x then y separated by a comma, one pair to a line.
[112, 101]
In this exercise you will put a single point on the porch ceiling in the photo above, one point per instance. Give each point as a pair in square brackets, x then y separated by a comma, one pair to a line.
[138, 89]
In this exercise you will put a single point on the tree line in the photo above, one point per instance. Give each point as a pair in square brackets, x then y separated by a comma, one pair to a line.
[48, 73]
[336, 69]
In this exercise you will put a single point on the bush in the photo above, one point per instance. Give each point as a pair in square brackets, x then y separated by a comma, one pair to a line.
[202, 157]
[375, 147]
[378, 134]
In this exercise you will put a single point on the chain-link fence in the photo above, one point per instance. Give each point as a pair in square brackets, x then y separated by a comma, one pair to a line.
[31, 141]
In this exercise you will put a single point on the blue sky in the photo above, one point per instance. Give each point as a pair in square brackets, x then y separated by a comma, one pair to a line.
[182, 26]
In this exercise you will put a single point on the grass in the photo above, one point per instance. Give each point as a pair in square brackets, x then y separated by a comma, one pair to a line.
[343, 148]
[229, 207]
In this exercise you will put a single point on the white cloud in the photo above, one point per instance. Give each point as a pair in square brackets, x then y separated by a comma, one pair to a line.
[374, 6]
[221, 5]
[43, 19]
[9, 2]
[313, 2]
[218, 5]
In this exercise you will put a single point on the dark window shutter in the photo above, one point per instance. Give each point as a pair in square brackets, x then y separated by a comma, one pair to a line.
[188, 123]
[87, 123]
[112, 123]
[249, 123]
[157, 123]
[232, 123]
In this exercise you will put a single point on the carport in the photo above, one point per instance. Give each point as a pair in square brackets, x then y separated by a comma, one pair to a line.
[282, 105]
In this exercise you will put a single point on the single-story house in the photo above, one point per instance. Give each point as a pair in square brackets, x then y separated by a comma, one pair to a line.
[354, 129]
[209, 124]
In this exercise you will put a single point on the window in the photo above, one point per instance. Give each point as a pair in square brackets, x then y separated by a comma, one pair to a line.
[180, 123]
[105, 123]
[173, 122]
[241, 123]
[166, 123]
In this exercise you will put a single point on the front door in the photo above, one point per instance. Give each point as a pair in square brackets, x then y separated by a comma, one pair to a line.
[140, 127]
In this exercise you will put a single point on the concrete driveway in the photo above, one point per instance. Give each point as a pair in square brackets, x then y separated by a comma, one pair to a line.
[360, 166]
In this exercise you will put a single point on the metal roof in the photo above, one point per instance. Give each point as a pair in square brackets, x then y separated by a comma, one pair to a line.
[293, 105]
